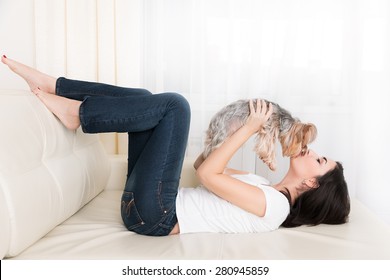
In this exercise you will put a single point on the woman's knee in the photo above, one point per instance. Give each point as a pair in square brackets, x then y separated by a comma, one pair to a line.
[143, 91]
[179, 102]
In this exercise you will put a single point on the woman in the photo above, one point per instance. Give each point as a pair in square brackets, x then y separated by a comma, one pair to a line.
[314, 186]
[157, 125]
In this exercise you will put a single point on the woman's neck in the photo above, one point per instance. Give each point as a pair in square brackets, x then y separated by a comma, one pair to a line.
[286, 188]
[290, 183]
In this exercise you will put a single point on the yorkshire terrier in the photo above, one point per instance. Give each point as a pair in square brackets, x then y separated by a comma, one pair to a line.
[293, 135]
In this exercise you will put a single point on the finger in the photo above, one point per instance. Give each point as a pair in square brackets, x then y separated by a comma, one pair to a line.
[251, 108]
[259, 106]
[263, 106]
[270, 110]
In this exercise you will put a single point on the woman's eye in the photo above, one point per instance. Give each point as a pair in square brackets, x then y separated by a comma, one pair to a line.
[318, 160]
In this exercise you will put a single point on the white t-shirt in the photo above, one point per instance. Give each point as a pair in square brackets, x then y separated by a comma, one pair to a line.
[199, 210]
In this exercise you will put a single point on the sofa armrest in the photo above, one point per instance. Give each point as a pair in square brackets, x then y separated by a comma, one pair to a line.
[117, 179]
[47, 172]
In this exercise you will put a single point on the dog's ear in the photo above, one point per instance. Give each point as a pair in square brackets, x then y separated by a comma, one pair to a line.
[309, 134]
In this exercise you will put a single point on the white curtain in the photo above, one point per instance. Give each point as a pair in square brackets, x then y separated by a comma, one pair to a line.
[325, 61]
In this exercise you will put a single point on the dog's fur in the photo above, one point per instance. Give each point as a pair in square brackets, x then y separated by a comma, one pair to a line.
[293, 135]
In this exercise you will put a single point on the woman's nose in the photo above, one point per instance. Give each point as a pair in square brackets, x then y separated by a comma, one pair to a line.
[311, 153]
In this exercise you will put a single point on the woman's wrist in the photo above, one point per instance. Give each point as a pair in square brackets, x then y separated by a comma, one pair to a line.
[250, 129]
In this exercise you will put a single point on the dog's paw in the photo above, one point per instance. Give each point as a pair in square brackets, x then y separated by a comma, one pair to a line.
[270, 163]
[272, 166]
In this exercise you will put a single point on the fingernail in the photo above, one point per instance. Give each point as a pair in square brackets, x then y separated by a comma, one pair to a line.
[4, 56]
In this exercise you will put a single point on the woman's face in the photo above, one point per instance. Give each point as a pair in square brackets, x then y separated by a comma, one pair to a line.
[311, 165]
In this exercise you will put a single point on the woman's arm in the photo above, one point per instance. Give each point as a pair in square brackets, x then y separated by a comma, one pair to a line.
[198, 161]
[229, 171]
[211, 171]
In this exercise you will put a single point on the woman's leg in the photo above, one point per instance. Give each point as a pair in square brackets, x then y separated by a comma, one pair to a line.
[148, 201]
[162, 120]
[78, 90]
[67, 110]
[33, 77]
[159, 123]
[73, 89]
[158, 128]
[42, 84]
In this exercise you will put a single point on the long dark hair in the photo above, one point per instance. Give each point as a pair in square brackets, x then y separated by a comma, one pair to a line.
[327, 204]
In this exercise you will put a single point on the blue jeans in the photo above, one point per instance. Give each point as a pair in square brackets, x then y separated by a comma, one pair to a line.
[157, 127]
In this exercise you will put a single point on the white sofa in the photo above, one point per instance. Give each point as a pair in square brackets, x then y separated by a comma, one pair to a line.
[60, 196]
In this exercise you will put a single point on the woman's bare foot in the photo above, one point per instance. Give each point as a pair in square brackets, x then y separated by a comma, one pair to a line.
[67, 110]
[33, 77]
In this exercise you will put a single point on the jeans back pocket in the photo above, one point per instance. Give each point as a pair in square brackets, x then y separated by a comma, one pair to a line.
[129, 212]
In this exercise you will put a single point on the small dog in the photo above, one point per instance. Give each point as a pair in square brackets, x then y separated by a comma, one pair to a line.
[293, 135]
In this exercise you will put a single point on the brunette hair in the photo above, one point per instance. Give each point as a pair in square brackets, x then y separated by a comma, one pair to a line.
[327, 204]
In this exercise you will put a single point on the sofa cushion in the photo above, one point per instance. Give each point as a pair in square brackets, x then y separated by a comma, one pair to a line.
[47, 172]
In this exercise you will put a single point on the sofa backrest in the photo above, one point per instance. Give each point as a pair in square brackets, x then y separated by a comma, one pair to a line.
[47, 172]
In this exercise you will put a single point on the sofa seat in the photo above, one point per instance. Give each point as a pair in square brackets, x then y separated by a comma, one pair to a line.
[96, 232]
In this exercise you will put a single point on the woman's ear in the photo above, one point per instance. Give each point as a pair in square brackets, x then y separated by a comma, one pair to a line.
[311, 183]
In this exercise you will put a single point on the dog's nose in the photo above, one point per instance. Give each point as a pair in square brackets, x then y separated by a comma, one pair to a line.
[304, 151]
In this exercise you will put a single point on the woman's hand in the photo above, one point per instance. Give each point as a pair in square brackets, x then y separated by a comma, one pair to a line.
[259, 116]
